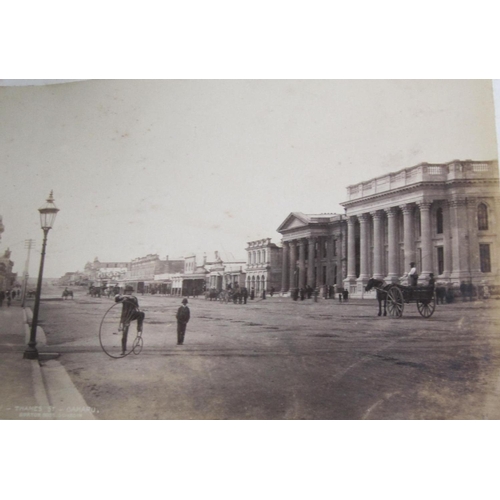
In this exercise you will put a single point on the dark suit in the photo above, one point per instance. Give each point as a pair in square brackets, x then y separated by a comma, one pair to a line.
[183, 315]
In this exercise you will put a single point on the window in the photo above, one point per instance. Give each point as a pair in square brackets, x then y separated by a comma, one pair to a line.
[482, 217]
[439, 221]
[440, 260]
[484, 255]
[335, 248]
[325, 249]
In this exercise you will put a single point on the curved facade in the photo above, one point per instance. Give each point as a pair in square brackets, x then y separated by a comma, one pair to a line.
[444, 217]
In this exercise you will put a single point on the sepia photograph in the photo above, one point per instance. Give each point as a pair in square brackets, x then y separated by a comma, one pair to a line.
[249, 250]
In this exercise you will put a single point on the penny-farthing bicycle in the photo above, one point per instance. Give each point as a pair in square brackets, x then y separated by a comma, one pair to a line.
[116, 326]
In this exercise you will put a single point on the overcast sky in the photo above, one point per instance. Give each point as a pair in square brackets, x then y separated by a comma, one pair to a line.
[176, 167]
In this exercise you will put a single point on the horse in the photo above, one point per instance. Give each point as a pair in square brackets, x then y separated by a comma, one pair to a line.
[381, 289]
[67, 293]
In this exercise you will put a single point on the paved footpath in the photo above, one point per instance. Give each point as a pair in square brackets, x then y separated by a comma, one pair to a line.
[32, 389]
[21, 396]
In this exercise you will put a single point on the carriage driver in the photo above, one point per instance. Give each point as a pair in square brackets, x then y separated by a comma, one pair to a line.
[130, 312]
[411, 276]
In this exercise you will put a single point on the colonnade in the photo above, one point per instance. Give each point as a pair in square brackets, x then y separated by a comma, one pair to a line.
[383, 242]
[313, 261]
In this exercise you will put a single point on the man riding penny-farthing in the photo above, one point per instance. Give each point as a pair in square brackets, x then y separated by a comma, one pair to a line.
[115, 322]
[130, 312]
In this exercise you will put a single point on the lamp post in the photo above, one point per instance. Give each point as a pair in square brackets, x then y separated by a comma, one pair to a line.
[47, 217]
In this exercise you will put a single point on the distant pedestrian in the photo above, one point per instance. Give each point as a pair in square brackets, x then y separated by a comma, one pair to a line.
[470, 291]
[345, 295]
[272, 291]
[316, 293]
[263, 295]
[302, 293]
[432, 281]
[463, 290]
[8, 295]
[2, 297]
[183, 315]
[252, 293]
[340, 296]
[244, 293]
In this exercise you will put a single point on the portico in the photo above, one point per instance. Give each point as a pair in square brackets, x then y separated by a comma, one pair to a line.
[313, 252]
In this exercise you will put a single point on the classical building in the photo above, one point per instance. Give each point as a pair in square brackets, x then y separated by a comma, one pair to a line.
[314, 250]
[444, 217]
[263, 266]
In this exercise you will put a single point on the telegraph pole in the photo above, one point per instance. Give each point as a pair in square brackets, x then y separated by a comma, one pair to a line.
[28, 244]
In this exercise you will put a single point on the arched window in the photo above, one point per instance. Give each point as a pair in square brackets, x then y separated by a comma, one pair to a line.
[482, 217]
[439, 220]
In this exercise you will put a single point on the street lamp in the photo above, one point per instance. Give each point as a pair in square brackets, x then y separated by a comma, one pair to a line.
[47, 217]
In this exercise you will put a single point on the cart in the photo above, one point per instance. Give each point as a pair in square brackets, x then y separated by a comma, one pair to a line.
[399, 295]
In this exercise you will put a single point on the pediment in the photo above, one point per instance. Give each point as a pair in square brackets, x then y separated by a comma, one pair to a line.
[293, 221]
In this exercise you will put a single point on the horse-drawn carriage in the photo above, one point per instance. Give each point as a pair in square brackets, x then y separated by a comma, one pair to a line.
[394, 297]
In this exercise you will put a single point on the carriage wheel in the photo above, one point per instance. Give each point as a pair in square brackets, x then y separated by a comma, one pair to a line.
[395, 302]
[426, 307]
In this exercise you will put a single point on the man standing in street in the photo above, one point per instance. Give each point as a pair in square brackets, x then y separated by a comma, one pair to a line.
[183, 315]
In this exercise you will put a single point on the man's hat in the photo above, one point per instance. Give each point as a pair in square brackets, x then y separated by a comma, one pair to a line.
[129, 288]
[412, 264]
[184, 301]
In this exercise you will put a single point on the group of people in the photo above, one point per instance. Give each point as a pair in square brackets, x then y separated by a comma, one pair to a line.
[9, 295]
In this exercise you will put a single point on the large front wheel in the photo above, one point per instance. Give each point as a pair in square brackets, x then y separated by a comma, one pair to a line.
[395, 302]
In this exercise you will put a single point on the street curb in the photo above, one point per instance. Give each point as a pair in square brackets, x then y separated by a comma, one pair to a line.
[52, 386]
[39, 389]
[66, 401]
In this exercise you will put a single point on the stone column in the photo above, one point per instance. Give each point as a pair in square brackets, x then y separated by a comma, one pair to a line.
[447, 242]
[285, 275]
[342, 256]
[425, 221]
[302, 263]
[392, 265]
[458, 216]
[364, 273]
[351, 249]
[311, 262]
[378, 245]
[293, 264]
[473, 241]
[409, 234]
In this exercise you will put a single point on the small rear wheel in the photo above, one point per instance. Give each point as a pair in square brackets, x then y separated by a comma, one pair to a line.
[137, 345]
